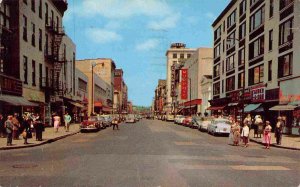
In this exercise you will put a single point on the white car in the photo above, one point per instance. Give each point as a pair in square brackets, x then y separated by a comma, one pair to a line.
[219, 126]
[177, 118]
[170, 117]
[180, 120]
[204, 124]
[130, 118]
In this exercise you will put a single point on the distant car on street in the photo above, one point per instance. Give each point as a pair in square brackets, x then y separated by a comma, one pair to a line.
[130, 118]
[196, 120]
[204, 123]
[91, 124]
[177, 118]
[170, 117]
[107, 119]
[219, 126]
[187, 121]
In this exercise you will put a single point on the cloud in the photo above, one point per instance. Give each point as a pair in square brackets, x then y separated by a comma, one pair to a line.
[123, 9]
[164, 24]
[210, 15]
[147, 45]
[99, 35]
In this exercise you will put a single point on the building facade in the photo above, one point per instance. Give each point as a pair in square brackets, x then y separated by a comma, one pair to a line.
[206, 84]
[120, 92]
[176, 55]
[255, 44]
[160, 97]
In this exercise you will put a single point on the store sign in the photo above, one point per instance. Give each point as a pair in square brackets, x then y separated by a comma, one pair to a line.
[258, 94]
[10, 85]
[173, 93]
[184, 83]
[289, 91]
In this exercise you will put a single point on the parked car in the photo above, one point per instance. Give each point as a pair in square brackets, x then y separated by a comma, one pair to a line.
[130, 118]
[196, 120]
[177, 118]
[187, 121]
[107, 119]
[204, 123]
[91, 124]
[170, 117]
[180, 120]
[219, 126]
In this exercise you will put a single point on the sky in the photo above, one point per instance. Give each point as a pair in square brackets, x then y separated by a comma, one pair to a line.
[137, 33]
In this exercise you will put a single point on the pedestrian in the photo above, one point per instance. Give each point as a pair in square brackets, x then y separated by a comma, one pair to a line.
[236, 133]
[231, 137]
[39, 128]
[248, 120]
[16, 126]
[115, 123]
[9, 129]
[259, 126]
[26, 132]
[245, 134]
[56, 120]
[278, 130]
[267, 135]
[2, 128]
[67, 119]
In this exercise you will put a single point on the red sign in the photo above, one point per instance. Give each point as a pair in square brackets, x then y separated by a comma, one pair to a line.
[184, 83]
[173, 81]
[258, 94]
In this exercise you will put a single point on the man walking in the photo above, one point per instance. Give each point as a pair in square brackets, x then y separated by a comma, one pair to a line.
[9, 129]
[278, 130]
[67, 119]
[115, 123]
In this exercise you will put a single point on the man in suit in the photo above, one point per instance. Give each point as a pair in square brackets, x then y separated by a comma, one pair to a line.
[9, 129]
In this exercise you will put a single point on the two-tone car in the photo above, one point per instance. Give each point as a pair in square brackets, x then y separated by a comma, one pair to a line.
[219, 126]
[91, 124]
[204, 123]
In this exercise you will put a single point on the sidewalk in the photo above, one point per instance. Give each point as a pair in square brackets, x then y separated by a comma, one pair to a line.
[287, 142]
[48, 136]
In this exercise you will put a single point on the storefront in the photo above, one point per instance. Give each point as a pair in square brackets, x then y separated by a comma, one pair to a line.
[218, 106]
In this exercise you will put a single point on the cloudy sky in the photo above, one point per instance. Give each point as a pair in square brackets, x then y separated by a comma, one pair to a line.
[137, 33]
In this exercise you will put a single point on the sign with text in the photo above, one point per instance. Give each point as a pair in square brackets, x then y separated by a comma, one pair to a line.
[173, 94]
[184, 83]
[258, 94]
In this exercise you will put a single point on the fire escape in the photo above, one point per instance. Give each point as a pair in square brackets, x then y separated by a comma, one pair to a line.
[54, 56]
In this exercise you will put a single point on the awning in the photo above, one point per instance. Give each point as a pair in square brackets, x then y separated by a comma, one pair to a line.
[251, 107]
[76, 104]
[216, 107]
[283, 107]
[16, 101]
[192, 106]
[233, 104]
[106, 109]
[98, 104]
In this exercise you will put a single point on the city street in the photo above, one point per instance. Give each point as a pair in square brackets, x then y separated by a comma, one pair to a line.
[148, 153]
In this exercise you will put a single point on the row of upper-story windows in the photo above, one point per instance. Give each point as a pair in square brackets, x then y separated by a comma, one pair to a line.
[181, 55]
[33, 34]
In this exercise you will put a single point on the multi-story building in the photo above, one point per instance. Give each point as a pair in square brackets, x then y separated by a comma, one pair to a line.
[100, 85]
[41, 53]
[206, 84]
[120, 92]
[129, 107]
[81, 90]
[190, 92]
[176, 55]
[255, 44]
[160, 97]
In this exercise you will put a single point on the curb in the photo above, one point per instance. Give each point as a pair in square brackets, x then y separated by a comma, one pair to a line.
[274, 145]
[42, 143]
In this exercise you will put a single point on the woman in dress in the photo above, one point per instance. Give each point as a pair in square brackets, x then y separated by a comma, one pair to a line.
[56, 120]
[236, 134]
[231, 139]
[267, 135]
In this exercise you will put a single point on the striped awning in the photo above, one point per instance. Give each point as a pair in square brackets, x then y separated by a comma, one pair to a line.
[16, 100]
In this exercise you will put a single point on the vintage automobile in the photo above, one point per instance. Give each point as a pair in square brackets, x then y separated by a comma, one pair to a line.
[203, 124]
[170, 117]
[106, 120]
[130, 118]
[196, 120]
[187, 121]
[219, 126]
[91, 124]
[177, 118]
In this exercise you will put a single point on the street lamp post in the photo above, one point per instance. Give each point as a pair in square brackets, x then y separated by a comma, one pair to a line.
[93, 94]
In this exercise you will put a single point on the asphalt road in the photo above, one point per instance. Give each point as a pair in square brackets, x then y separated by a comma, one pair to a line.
[149, 153]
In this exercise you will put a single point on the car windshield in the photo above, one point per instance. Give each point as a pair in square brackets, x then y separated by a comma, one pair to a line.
[223, 121]
[93, 118]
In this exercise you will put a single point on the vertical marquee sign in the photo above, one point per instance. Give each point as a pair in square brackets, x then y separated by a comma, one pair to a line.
[173, 81]
[184, 83]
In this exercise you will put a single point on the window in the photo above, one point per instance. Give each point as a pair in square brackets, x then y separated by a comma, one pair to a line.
[57, 23]
[270, 70]
[231, 19]
[217, 70]
[243, 5]
[284, 3]
[40, 9]
[174, 55]
[223, 46]
[216, 88]
[270, 40]
[230, 63]
[33, 73]
[52, 19]
[224, 26]
[33, 5]
[271, 11]
[285, 31]
[223, 67]
[257, 19]
[41, 73]
[33, 34]
[40, 40]
[181, 55]
[189, 55]
[46, 14]
[24, 28]
[241, 80]
[46, 44]
[230, 40]
[252, 2]
[285, 65]
[256, 75]
[25, 68]
[230, 84]
[242, 30]
[256, 48]
[217, 33]
[222, 86]
[241, 56]
[82, 85]
[217, 51]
